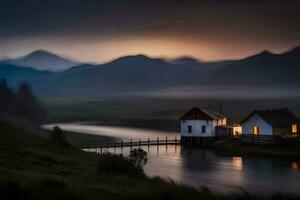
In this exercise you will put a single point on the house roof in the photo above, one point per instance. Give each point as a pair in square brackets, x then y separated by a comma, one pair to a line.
[276, 118]
[202, 114]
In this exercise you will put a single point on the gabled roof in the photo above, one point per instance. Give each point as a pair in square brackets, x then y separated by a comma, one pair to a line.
[202, 114]
[214, 114]
[276, 118]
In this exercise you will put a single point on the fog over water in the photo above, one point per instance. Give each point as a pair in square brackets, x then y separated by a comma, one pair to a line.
[227, 92]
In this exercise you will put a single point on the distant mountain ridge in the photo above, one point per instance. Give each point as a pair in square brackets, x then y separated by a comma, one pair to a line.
[264, 68]
[139, 73]
[43, 60]
[127, 74]
[16, 74]
[195, 64]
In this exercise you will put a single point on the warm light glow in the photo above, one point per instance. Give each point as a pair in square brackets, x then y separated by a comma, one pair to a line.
[238, 162]
[295, 166]
[101, 50]
[237, 130]
[256, 130]
[294, 128]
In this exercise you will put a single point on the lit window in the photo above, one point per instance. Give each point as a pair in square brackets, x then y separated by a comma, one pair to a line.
[256, 130]
[190, 129]
[294, 128]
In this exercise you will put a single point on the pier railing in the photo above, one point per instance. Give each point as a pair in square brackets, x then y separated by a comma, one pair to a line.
[130, 143]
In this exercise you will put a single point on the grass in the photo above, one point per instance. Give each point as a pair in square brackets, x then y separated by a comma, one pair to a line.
[235, 147]
[117, 164]
[32, 167]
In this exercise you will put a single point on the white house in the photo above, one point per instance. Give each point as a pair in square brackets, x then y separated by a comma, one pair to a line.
[264, 125]
[199, 124]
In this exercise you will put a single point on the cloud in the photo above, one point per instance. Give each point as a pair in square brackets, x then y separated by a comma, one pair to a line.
[224, 28]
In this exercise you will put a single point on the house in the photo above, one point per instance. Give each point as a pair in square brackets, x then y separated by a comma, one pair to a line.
[264, 126]
[203, 125]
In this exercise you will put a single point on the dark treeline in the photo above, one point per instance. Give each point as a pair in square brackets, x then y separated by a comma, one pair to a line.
[21, 103]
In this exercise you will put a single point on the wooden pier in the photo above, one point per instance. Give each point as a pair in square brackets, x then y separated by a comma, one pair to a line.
[131, 143]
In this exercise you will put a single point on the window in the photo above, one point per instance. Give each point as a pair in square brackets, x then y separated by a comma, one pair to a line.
[203, 129]
[294, 128]
[255, 130]
[190, 130]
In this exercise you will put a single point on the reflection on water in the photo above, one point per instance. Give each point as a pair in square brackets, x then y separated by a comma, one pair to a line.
[237, 162]
[202, 167]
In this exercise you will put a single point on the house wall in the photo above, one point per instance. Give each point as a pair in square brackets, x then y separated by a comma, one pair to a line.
[281, 131]
[223, 131]
[256, 120]
[197, 128]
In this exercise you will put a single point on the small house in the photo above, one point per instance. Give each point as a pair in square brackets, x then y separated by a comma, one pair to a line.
[202, 125]
[264, 126]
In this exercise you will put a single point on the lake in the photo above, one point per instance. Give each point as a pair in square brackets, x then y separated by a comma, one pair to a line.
[202, 167]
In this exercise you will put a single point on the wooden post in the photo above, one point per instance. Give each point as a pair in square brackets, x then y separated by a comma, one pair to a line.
[122, 143]
[130, 144]
[148, 145]
[166, 144]
[175, 144]
[157, 141]
[140, 143]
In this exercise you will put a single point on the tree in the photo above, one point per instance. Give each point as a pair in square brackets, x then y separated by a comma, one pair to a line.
[138, 157]
[58, 136]
[27, 106]
[6, 97]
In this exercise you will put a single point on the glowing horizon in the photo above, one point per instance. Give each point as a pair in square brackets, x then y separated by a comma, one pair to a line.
[105, 51]
[99, 31]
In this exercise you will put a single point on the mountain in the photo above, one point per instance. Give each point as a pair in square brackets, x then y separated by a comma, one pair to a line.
[139, 73]
[15, 74]
[127, 74]
[196, 65]
[185, 60]
[264, 68]
[43, 60]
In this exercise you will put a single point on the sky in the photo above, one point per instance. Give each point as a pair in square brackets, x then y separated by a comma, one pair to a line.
[98, 31]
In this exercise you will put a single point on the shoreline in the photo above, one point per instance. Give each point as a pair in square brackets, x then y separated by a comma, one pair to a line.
[228, 147]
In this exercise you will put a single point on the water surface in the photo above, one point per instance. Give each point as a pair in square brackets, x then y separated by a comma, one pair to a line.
[202, 167]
